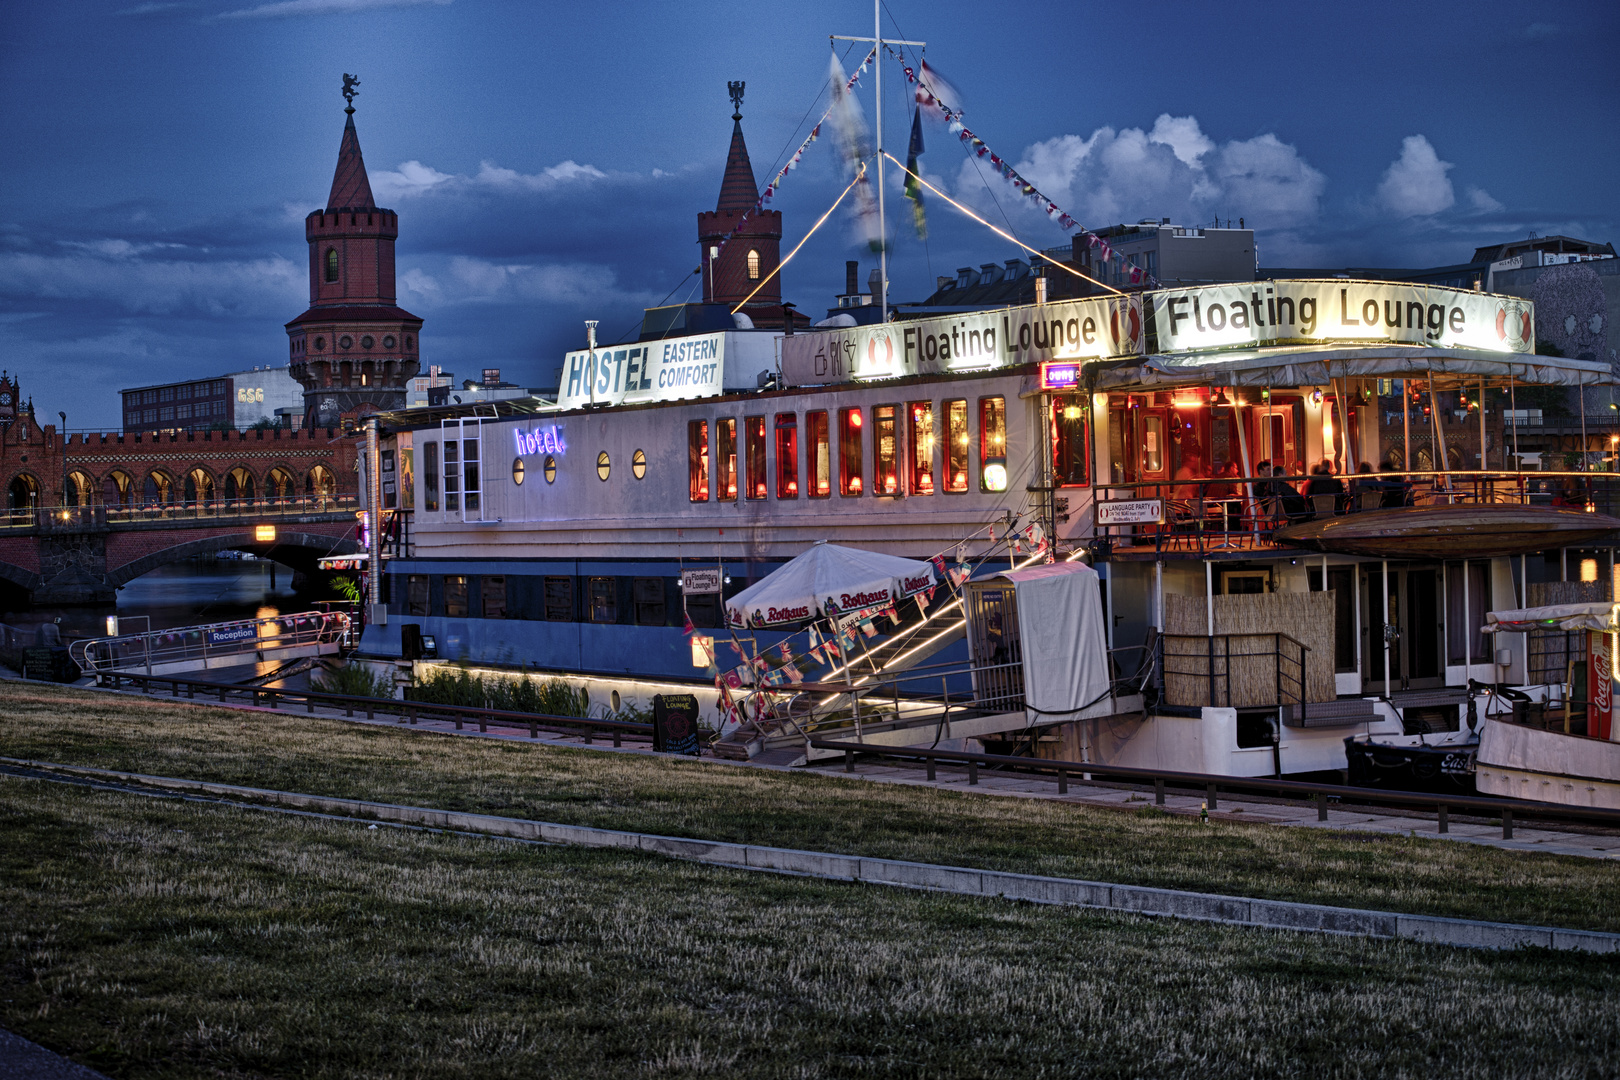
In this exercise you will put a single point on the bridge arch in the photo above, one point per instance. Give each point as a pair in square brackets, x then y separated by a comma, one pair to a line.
[23, 492]
[158, 488]
[279, 483]
[80, 489]
[199, 486]
[295, 549]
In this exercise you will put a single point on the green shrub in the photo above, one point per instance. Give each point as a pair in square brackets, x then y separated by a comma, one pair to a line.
[353, 680]
[524, 694]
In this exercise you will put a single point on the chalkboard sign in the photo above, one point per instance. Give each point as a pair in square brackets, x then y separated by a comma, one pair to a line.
[49, 663]
[675, 724]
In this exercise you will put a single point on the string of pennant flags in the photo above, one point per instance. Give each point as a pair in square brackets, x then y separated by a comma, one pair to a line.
[930, 96]
[775, 184]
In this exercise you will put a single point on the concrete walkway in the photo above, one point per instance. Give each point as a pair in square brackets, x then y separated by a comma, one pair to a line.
[1546, 837]
[23, 1060]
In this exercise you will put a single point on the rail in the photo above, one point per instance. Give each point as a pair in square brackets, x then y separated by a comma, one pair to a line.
[1210, 514]
[1161, 779]
[410, 711]
[200, 644]
[102, 516]
[1287, 654]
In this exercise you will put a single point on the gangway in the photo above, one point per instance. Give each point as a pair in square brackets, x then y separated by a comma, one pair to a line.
[275, 639]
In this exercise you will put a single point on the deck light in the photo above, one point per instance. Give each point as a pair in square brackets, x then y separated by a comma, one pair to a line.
[264, 534]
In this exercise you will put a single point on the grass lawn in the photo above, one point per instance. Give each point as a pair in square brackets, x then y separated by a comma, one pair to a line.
[159, 938]
[818, 811]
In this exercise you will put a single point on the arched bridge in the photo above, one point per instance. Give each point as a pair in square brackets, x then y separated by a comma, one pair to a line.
[83, 554]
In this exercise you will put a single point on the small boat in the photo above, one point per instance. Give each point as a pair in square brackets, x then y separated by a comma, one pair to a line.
[1470, 530]
[1441, 762]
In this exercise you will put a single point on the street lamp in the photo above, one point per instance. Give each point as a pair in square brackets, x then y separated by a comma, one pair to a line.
[63, 415]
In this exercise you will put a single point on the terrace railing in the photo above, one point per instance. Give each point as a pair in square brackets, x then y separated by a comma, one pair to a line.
[103, 516]
[197, 645]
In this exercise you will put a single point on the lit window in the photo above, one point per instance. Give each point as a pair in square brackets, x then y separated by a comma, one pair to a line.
[517, 471]
[452, 477]
[604, 600]
[993, 444]
[956, 446]
[753, 265]
[638, 464]
[603, 465]
[886, 450]
[455, 597]
[697, 460]
[1069, 444]
[815, 430]
[550, 469]
[331, 264]
[849, 452]
[922, 447]
[787, 455]
[726, 453]
[754, 435]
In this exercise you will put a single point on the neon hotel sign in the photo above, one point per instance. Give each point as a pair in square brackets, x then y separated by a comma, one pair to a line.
[546, 440]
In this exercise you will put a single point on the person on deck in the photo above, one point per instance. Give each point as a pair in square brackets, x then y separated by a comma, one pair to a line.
[1396, 489]
[1323, 482]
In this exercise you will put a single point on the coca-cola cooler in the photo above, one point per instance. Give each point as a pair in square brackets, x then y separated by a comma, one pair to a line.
[1600, 686]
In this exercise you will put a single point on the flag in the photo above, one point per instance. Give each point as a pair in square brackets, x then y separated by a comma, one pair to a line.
[913, 185]
[854, 147]
[787, 652]
[923, 598]
[687, 620]
[937, 95]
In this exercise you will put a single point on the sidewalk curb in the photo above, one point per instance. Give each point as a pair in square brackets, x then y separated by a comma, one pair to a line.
[964, 881]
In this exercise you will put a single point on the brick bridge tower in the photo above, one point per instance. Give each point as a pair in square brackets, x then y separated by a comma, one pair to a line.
[747, 258]
[354, 349]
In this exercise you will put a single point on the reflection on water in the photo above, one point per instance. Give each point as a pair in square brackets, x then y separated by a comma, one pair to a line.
[188, 593]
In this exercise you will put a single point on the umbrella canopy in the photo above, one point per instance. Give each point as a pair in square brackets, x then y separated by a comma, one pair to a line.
[827, 580]
[1553, 617]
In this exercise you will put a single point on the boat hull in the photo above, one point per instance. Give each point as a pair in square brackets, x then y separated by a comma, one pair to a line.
[1450, 532]
[1387, 764]
[1519, 762]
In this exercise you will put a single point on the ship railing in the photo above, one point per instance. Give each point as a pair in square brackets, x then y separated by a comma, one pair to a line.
[81, 518]
[1204, 515]
[199, 644]
[1241, 670]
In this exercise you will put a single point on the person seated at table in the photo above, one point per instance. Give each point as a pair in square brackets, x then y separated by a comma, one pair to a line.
[1397, 492]
[1224, 490]
[1323, 482]
[1363, 483]
[1294, 506]
[1190, 468]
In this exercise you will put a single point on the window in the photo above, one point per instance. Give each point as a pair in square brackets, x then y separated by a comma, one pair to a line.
[704, 610]
[455, 597]
[604, 599]
[517, 471]
[754, 433]
[956, 446]
[753, 265]
[647, 593]
[815, 429]
[493, 588]
[331, 264]
[787, 455]
[430, 476]
[416, 594]
[550, 469]
[638, 464]
[559, 599]
[849, 452]
[922, 447]
[726, 453]
[886, 450]
[697, 460]
[993, 444]
[452, 477]
[604, 465]
[1069, 460]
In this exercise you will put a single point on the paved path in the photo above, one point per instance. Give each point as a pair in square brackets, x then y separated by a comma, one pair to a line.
[23, 1060]
[1554, 838]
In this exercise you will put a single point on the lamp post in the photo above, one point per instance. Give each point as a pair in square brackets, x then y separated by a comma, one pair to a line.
[63, 415]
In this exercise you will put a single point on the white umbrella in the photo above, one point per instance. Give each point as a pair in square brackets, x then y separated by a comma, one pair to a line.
[827, 580]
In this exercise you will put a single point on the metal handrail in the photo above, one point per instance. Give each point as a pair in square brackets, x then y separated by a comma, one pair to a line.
[101, 515]
[1061, 771]
[411, 711]
[204, 642]
[1226, 656]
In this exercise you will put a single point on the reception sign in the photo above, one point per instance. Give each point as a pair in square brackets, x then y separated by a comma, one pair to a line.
[1339, 310]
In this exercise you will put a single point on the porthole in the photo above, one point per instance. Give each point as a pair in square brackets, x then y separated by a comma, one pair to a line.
[551, 469]
[603, 465]
[320, 344]
[638, 464]
[367, 342]
[345, 341]
[388, 342]
[517, 471]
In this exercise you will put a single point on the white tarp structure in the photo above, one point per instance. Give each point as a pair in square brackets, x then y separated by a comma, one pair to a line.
[1598, 616]
[827, 580]
[1060, 630]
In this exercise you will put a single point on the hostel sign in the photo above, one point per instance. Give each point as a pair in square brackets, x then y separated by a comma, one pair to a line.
[652, 371]
[1324, 312]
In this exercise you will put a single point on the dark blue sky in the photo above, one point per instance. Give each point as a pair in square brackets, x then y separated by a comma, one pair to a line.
[548, 159]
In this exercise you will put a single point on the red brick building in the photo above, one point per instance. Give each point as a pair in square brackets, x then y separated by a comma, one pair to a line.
[355, 348]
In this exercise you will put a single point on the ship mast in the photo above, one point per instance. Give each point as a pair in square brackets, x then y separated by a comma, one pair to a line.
[877, 93]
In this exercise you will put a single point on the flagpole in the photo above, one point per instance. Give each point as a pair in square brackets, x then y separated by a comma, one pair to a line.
[883, 227]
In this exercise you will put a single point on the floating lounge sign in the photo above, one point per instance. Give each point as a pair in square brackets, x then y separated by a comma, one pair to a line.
[975, 341]
[1337, 310]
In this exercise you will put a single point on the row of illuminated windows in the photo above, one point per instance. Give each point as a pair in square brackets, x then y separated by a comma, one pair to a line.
[183, 392]
[904, 440]
[201, 410]
[638, 601]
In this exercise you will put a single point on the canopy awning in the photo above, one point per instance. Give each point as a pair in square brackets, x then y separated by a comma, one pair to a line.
[1316, 365]
[827, 580]
[1597, 616]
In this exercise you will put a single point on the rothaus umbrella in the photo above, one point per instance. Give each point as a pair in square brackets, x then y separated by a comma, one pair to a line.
[827, 580]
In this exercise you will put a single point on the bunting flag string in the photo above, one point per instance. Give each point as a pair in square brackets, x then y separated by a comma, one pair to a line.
[934, 98]
[775, 184]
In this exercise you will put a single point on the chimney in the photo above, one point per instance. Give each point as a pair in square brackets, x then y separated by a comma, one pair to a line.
[787, 319]
[874, 284]
[1040, 286]
[852, 278]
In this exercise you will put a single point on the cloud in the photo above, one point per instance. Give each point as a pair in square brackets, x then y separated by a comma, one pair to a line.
[112, 276]
[1175, 170]
[293, 8]
[1482, 202]
[413, 178]
[1415, 184]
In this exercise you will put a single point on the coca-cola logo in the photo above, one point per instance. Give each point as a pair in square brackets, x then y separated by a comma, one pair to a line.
[851, 600]
[787, 614]
[1601, 677]
[916, 584]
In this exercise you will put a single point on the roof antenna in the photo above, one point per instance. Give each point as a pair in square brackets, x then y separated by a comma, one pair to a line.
[736, 91]
[349, 84]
